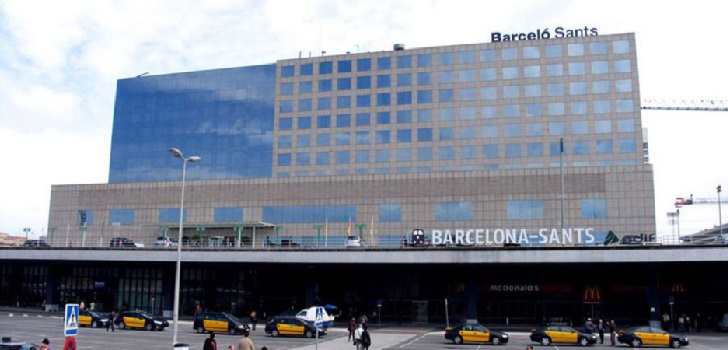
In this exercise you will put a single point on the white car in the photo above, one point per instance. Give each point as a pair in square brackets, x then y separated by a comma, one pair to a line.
[166, 242]
[354, 241]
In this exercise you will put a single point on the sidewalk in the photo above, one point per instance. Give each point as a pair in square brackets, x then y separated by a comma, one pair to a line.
[381, 338]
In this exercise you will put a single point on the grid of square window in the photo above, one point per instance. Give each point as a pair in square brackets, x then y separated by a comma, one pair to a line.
[466, 107]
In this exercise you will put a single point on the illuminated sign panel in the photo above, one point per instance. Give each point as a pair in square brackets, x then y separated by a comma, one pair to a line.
[520, 236]
[539, 34]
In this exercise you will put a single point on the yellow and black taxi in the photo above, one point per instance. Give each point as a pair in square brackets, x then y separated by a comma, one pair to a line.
[140, 320]
[647, 335]
[218, 322]
[278, 326]
[562, 334]
[475, 333]
[93, 319]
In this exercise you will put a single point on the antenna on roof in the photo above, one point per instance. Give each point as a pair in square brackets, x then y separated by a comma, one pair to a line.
[141, 75]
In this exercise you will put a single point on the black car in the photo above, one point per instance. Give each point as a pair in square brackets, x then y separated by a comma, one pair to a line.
[292, 326]
[118, 242]
[92, 319]
[140, 320]
[218, 322]
[560, 334]
[647, 335]
[35, 243]
[475, 333]
[8, 344]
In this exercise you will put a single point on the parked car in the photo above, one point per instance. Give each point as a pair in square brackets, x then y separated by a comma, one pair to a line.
[140, 320]
[8, 344]
[723, 323]
[561, 334]
[35, 243]
[123, 242]
[218, 322]
[475, 333]
[292, 326]
[648, 335]
[163, 241]
[353, 241]
[92, 319]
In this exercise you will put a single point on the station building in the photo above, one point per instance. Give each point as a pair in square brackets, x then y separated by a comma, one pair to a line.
[497, 151]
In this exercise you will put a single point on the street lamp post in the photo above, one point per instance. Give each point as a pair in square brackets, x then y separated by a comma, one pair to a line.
[720, 218]
[175, 316]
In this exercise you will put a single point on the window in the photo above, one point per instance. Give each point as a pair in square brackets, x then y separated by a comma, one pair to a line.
[510, 72]
[490, 131]
[553, 51]
[533, 110]
[525, 209]
[170, 215]
[404, 98]
[575, 49]
[579, 127]
[445, 77]
[323, 140]
[489, 93]
[343, 102]
[229, 214]
[467, 75]
[534, 129]
[594, 208]
[532, 71]
[424, 115]
[511, 91]
[468, 132]
[510, 53]
[424, 153]
[488, 74]
[364, 82]
[326, 67]
[446, 95]
[363, 100]
[598, 48]
[364, 64]
[600, 67]
[288, 71]
[468, 152]
[363, 137]
[303, 141]
[383, 81]
[555, 89]
[622, 66]
[383, 99]
[625, 106]
[602, 107]
[447, 59]
[447, 134]
[404, 79]
[487, 55]
[424, 78]
[512, 130]
[424, 96]
[578, 107]
[343, 138]
[307, 69]
[513, 150]
[424, 60]
[490, 151]
[343, 157]
[530, 52]
[556, 108]
[381, 156]
[627, 146]
[557, 128]
[344, 66]
[577, 88]
[468, 94]
[603, 126]
[581, 148]
[390, 213]
[600, 87]
[343, 84]
[467, 57]
[623, 85]
[286, 89]
[305, 86]
[489, 112]
[284, 159]
[424, 135]
[534, 149]
[577, 68]
[285, 141]
[625, 125]
[343, 120]
[382, 136]
[362, 156]
[322, 158]
[620, 46]
[604, 146]
[555, 70]
[286, 106]
[447, 153]
[304, 122]
[453, 211]
[532, 90]
[305, 104]
[285, 123]
[125, 217]
[404, 136]
[324, 103]
[512, 111]
[404, 117]
[383, 118]
[384, 63]
[446, 114]
[323, 122]
[404, 61]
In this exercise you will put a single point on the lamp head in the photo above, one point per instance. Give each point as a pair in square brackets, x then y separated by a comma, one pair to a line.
[175, 152]
[194, 159]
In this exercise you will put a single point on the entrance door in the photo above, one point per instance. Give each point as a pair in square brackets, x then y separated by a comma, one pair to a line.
[419, 311]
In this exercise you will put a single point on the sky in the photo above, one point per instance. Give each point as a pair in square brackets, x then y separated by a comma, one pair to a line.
[60, 60]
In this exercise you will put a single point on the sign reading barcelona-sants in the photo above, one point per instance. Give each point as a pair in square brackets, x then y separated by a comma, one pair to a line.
[478, 236]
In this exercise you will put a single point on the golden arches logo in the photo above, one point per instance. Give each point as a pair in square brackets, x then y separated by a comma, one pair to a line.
[460, 287]
[678, 288]
[592, 294]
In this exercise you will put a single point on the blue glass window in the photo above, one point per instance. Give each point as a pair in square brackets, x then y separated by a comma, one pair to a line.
[305, 104]
[489, 93]
[124, 217]
[532, 71]
[424, 135]
[453, 211]
[513, 150]
[363, 137]
[557, 128]
[555, 89]
[171, 215]
[512, 130]
[467, 57]
[512, 111]
[288, 71]
[285, 141]
[424, 96]
[344, 66]
[623, 85]
[553, 51]
[577, 88]
[325, 85]
[424, 115]
[324, 103]
[404, 79]
[364, 82]
[362, 156]
[383, 118]
[447, 153]
[303, 141]
[468, 94]
[603, 126]
[285, 123]
[404, 135]
[594, 208]
[286, 106]
[424, 78]
[600, 67]
[577, 68]
[579, 127]
[490, 131]
[447, 134]
[404, 116]
[363, 119]
[627, 146]
[625, 106]
[605, 146]
[531, 52]
[310, 213]
[510, 72]
[364, 64]
[534, 149]
[534, 129]
[383, 81]
[343, 84]
[323, 121]
[383, 99]
[323, 158]
[602, 107]
[343, 102]
[284, 159]
[490, 151]
[382, 136]
[381, 156]
[578, 107]
[404, 98]
[575, 49]
[620, 46]
[598, 48]
[533, 110]
[363, 100]
[581, 147]
[508, 54]
[424, 60]
[469, 152]
[286, 89]
[555, 70]
[556, 108]
[229, 214]
[326, 67]
[404, 61]
[467, 75]
[525, 209]
[403, 154]
[600, 87]
[488, 74]
[622, 66]
[307, 69]
[305, 86]
[343, 138]
[447, 59]
[555, 148]
[384, 63]
[446, 95]
[304, 122]
[511, 91]
[487, 55]
[343, 120]
[532, 90]
[625, 125]
[343, 157]
[468, 113]
[390, 213]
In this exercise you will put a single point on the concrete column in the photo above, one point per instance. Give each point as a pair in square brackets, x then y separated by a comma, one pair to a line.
[472, 297]
[653, 298]
[311, 283]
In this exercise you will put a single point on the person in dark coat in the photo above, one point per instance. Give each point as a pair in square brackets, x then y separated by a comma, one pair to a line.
[366, 339]
[210, 342]
[112, 318]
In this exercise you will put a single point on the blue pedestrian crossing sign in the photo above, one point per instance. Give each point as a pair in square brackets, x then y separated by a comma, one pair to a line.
[319, 316]
[70, 321]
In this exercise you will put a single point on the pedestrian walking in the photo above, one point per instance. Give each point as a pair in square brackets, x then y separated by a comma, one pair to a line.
[112, 318]
[612, 333]
[589, 326]
[210, 342]
[246, 343]
[253, 319]
[666, 322]
[45, 344]
[351, 329]
[600, 330]
[357, 337]
[366, 339]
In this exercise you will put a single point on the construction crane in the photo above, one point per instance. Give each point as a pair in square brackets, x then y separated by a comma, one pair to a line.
[685, 105]
[680, 201]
